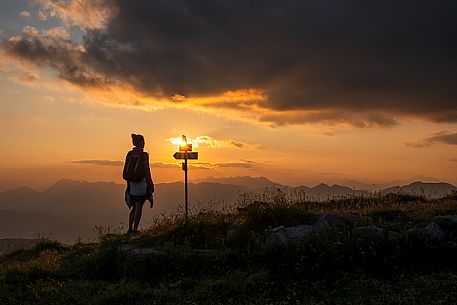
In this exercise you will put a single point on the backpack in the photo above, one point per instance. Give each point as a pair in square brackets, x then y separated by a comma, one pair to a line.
[134, 168]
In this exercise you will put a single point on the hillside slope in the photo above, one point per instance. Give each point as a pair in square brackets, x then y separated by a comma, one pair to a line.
[219, 258]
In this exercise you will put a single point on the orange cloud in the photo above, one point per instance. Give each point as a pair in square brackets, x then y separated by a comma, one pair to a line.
[30, 31]
[209, 142]
[100, 162]
[86, 14]
[25, 78]
[442, 137]
[25, 14]
[58, 32]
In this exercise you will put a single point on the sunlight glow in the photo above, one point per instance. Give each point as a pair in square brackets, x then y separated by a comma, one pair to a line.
[181, 142]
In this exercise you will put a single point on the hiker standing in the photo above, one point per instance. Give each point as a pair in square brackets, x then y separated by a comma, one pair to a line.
[139, 182]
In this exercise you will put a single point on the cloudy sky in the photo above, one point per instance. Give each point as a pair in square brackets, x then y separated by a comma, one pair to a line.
[301, 92]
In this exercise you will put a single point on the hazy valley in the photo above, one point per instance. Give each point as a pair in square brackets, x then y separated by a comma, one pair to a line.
[69, 210]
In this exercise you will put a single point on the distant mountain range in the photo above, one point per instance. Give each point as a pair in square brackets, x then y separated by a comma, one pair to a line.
[381, 186]
[71, 209]
[252, 183]
[428, 190]
[324, 191]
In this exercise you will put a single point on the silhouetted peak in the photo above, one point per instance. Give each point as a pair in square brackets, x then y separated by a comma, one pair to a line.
[425, 179]
[427, 189]
[26, 189]
[64, 184]
[322, 185]
[21, 190]
[73, 185]
[247, 181]
[429, 184]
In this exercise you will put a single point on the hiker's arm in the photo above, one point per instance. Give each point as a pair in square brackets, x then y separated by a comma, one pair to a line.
[124, 171]
[148, 174]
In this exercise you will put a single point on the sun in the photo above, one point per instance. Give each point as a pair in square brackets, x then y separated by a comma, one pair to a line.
[181, 141]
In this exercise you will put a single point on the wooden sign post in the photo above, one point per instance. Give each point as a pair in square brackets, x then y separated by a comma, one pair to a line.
[185, 153]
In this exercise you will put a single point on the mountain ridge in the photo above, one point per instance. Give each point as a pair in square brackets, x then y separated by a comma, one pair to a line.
[83, 205]
[246, 182]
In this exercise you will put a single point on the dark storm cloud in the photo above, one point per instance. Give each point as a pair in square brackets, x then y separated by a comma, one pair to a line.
[331, 117]
[57, 54]
[364, 62]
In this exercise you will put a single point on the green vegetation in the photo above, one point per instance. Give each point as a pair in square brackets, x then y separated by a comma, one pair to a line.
[220, 257]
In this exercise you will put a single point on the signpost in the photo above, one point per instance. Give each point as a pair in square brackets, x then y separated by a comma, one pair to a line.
[185, 153]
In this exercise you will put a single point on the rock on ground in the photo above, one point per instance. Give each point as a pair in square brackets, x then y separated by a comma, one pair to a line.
[282, 235]
[369, 232]
[435, 231]
[330, 221]
[448, 222]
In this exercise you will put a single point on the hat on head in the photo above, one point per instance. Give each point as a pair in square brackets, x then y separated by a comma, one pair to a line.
[137, 140]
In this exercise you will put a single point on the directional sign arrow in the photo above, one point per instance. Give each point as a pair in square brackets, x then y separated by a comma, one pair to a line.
[190, 155]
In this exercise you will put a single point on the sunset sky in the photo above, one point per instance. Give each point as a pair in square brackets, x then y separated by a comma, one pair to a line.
[300, 92]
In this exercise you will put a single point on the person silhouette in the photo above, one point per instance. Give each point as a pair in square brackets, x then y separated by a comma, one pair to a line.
[139, 182]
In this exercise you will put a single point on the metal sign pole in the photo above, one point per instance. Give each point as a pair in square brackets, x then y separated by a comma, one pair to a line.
[185, 186]
[185, 153]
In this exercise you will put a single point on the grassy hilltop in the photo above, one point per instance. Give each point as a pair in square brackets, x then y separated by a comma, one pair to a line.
[221, 257]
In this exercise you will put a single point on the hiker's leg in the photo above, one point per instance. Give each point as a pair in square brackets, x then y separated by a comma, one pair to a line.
[138, 211]
[131, 217]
